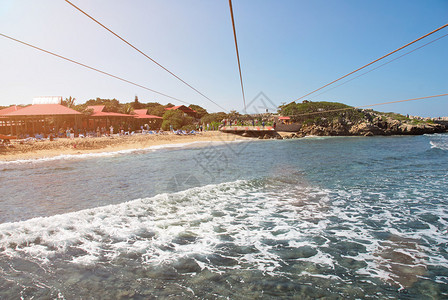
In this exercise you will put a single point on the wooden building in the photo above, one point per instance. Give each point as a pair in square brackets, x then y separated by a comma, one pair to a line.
[41, 118]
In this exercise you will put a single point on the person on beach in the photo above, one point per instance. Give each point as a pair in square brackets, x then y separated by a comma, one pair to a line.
[111, 128]
[72, 133]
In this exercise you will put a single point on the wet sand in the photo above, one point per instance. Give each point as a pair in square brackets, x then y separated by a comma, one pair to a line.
[64, 146]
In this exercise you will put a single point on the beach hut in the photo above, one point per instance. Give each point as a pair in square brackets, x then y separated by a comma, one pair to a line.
[42, 118]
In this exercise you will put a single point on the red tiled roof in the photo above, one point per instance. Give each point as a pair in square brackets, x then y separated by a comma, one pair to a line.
[9, 109]
[98, 112]
[284, 118]
[179, 106]
[174, 107]
[142, 114]
[44, 110]
[96, 108]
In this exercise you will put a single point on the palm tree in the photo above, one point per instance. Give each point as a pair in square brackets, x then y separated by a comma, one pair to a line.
[69, 102]
[127, 108]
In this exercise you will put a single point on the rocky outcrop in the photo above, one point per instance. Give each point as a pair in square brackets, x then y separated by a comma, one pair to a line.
[372, 124]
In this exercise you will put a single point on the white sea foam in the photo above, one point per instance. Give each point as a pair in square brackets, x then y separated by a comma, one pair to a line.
[243, 225]
[163, 228]
[439, 141]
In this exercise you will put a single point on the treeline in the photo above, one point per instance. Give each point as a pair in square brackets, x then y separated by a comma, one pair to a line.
[175, 118]
[323, 113]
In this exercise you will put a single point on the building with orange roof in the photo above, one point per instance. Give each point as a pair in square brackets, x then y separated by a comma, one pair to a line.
[186, 110]
[41, 118]
[104, 119]
[142, 118]
[5, 123]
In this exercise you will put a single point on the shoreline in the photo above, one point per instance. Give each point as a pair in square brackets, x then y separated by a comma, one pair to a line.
[80, 146]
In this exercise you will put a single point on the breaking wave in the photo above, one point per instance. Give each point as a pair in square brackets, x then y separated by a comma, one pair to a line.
[439, 141]
[281, 227]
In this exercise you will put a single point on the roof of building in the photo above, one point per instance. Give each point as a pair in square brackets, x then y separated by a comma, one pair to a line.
[180, 106]
[98, 112]
[142, 114]
[44, 110]
[142, 111]
[96, 108]
[9, 109]
[284, 118]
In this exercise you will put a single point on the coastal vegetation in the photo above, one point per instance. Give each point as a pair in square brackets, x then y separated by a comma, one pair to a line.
[175, 119]
[333, 118]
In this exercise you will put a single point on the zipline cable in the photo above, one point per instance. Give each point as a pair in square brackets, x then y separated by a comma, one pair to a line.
[378, 59]
[382, 65]
[363, 106]
[145, 55]
[237, 54]
[92, 68]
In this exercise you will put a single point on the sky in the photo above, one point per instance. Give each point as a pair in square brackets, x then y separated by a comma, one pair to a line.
[287, 49]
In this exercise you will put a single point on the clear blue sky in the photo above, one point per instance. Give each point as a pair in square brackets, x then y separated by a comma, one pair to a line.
[287, 49]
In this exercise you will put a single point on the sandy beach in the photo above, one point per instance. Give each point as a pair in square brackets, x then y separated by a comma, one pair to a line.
[46, 148]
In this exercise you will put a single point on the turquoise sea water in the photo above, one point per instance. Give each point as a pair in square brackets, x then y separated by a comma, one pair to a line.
[338, 217]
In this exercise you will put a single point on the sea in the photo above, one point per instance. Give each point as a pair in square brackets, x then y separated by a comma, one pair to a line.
[317, 217]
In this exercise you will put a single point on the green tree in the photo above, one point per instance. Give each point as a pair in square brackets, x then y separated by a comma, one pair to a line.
[200, 112]
[111, 105]
[155, 109]
[177, 119]
[153, 104]
[126, 108]
[69, 102]
[315, 112]
[214, 118]
[137, 104]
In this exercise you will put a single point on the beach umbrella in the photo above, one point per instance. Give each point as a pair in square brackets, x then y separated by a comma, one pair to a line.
[7, 137]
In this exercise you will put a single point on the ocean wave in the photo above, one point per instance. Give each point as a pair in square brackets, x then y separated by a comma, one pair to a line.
[438, 141]
[169, 227]
[281, 226]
